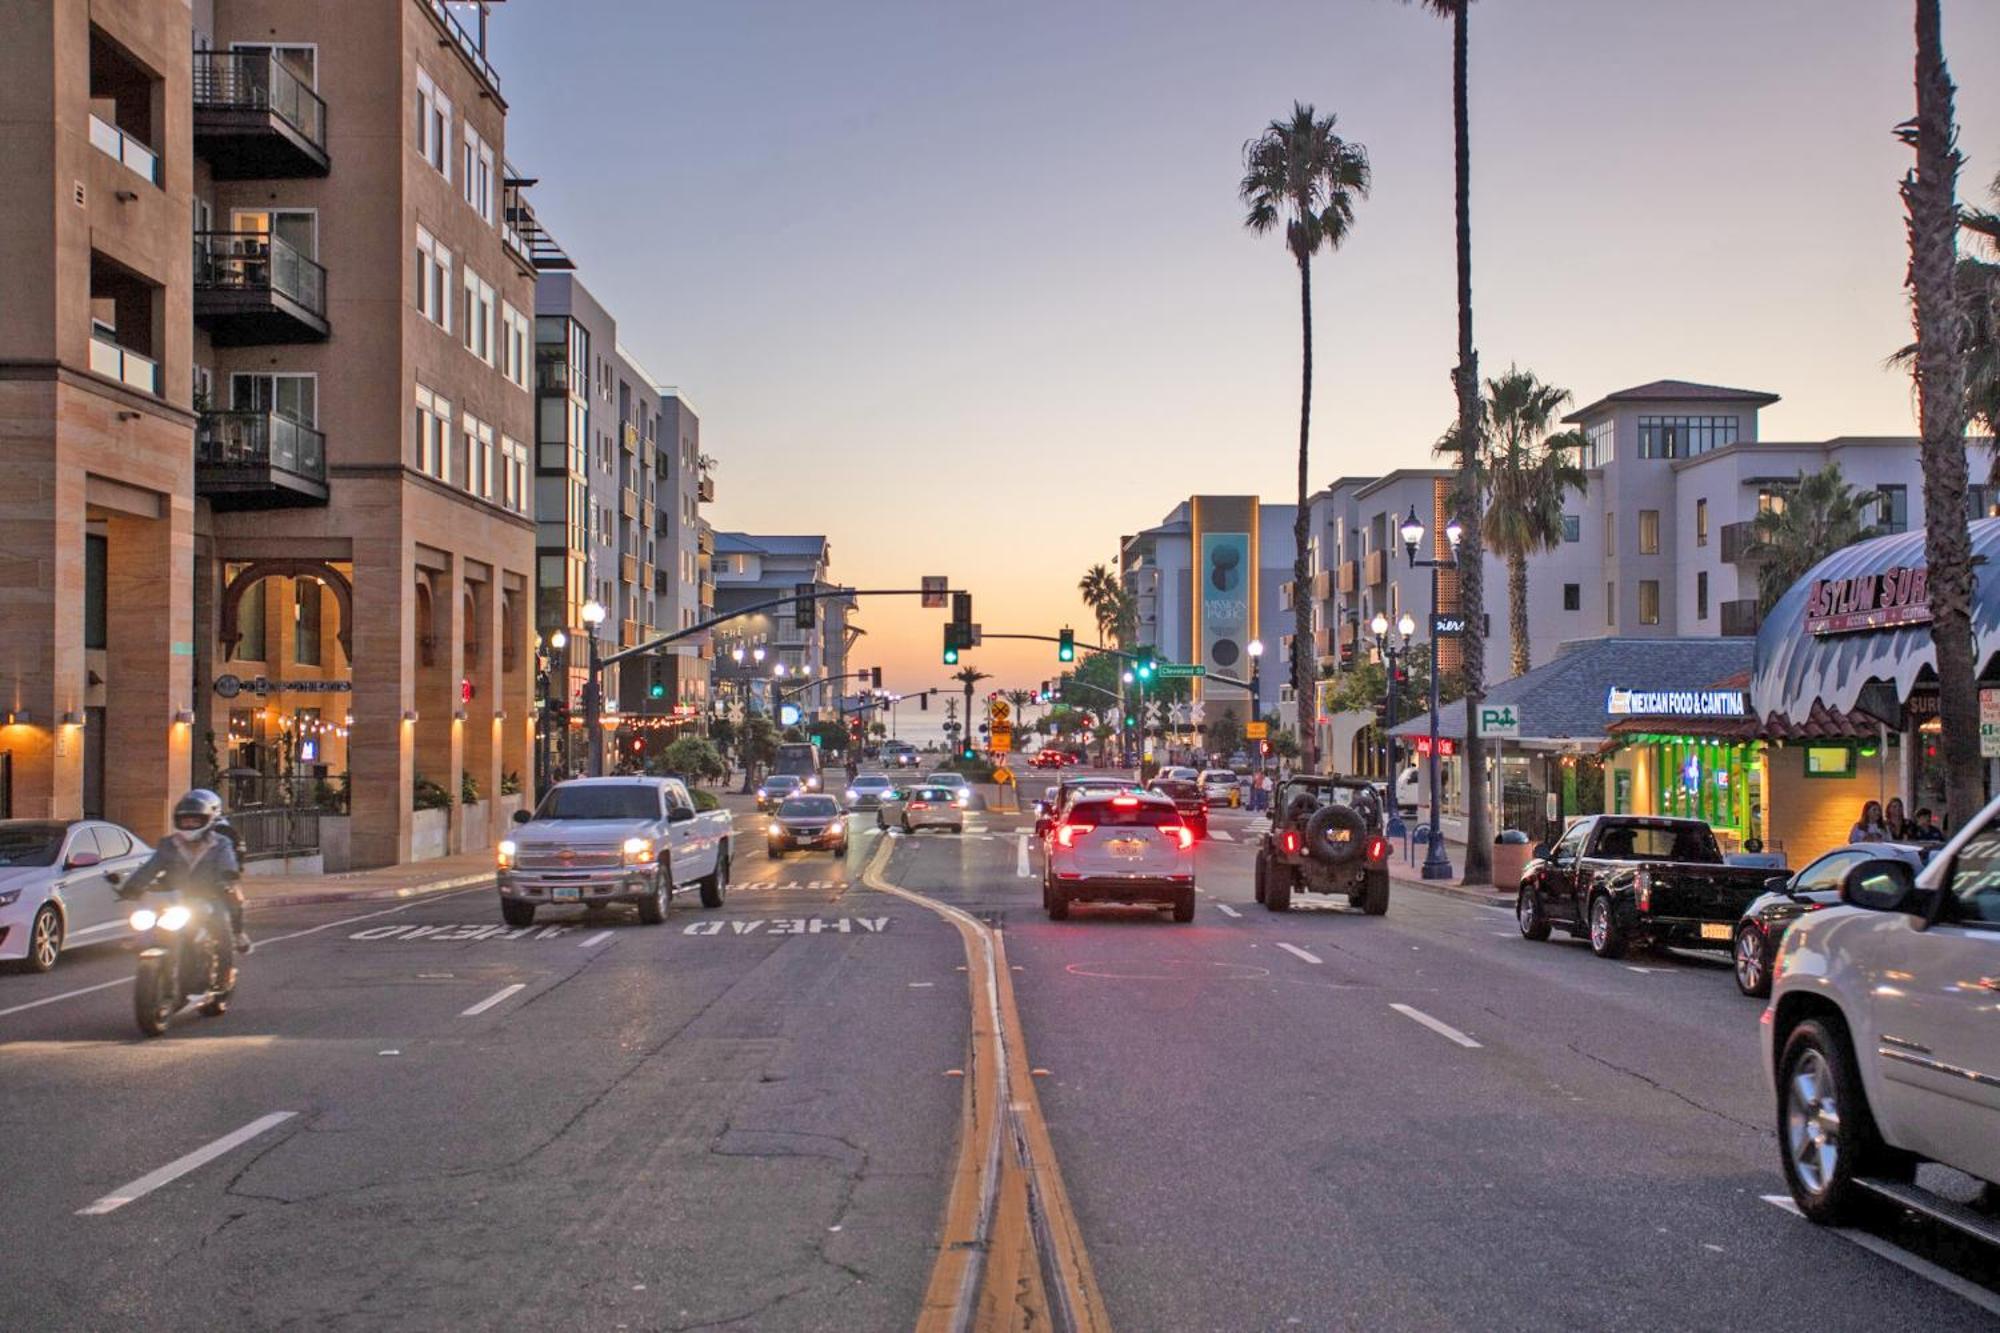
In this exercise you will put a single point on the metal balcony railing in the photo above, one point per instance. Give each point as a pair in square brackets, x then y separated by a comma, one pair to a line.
[124, 365]
[245, 440]
[255, 261]
[259, 81]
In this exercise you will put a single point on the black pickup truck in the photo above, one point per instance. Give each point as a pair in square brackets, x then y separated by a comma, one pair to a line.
[1620, 880]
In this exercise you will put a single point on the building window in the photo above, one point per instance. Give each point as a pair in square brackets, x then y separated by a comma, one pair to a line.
[1611, 605]
[1597, 449]
[433, 426]
[1610, 534]
[250, 624]
[433, 124]
[305, 621]
[1701, 595]
[514, 344]
[1892, 511]
[433, 280]
[1770, 501]
[1572, 527]
[476, 175]
[513, 474]
[96, 623]
[1572, 597]
[1701, 522]
[478, 457]
[293, 396]
[478, 316]
[1649, 601]
[1684, 437]
[1649, 532]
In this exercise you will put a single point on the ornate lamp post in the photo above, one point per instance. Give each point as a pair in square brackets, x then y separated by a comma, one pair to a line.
[593, 690]
[553, 673]
[1392, 651]
[1436, 864]
[1256, 650]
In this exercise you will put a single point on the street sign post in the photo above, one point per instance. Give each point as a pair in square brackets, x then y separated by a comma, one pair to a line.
[1500, 721]
[1179, 670]
[935, 587]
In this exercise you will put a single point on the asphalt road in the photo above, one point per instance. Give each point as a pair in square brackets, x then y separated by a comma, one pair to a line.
[745, 1118]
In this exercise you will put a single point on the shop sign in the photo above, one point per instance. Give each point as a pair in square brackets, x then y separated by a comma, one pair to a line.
[229, 686]
[1623, 701]
[1447, 747]
[1447, 625]
[1989, 724]
[1900, 596]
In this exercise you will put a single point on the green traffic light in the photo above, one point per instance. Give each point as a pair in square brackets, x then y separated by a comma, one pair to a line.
[657, 690]
[951, 657]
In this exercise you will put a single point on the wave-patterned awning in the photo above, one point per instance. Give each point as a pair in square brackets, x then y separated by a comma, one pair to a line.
[1797, 668]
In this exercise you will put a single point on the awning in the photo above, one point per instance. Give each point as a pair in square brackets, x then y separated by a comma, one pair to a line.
[1862, 616]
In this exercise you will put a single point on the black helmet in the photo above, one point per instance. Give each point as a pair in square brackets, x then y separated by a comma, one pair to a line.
[196, 813]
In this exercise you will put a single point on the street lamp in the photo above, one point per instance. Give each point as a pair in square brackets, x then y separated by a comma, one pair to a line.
[1436, 864]
[593, 692]
[1256, 650]
[1391, 650]
[552, 670]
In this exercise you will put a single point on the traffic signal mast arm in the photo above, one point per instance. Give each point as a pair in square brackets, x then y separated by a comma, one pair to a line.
[654, 645]
[1116, 652]
[825, 680]
[886, 701]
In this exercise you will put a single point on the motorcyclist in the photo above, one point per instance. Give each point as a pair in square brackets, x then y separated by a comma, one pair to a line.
[198, 858]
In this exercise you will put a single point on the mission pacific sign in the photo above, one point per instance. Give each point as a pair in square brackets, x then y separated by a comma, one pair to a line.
[1889, 600]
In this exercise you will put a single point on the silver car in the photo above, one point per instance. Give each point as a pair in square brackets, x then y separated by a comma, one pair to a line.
[919, 807]
[59, 886]
[961, 790]
[868, 789]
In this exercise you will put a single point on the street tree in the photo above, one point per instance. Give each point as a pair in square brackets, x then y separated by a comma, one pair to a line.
[692, 757]
[1224, 734]
[1820, 513]
[1977, 277]
[1301, 176]
[1930, 195]
[969, 676]
[1465, 376]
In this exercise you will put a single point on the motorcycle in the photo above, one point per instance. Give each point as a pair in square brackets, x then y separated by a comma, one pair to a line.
[187, 958]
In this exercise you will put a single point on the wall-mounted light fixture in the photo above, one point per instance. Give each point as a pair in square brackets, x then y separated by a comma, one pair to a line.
[409, 715]
[458, 715]
[72, 718]
[19, 717]
[184, 716]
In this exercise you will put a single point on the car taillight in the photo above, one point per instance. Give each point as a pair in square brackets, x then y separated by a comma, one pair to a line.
[1181, 834]
[1067, 834]
[1642, 885]
[1378, 848]
[1289, 842]
[1125, 801]
[920, 805]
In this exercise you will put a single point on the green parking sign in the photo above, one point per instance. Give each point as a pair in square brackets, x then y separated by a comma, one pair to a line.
[1499, 720]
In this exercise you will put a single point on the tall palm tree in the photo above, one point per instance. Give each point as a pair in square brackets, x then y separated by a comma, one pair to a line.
[1302, 176]
[1820, 514]
[969, 676]
[1465, 376]
[1930, 195]
[1100, 589]
[1528, 473]
[1977, 277]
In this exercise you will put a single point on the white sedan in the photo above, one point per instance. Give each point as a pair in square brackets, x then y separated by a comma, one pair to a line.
[956, 783]
[1221, 787]
[59, 886]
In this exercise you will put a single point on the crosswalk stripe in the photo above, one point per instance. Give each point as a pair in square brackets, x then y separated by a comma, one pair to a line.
[1221, 835]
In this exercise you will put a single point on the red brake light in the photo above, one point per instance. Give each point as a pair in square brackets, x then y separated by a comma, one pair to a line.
[1180, 833]
[1378, 848]
[1125, 801]
[1066, 834]
[1289, 842]
[920, 805]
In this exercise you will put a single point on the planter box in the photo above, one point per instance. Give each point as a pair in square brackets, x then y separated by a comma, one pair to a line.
[473, 833]
[336, 843]
[429, 834]
[503, 813]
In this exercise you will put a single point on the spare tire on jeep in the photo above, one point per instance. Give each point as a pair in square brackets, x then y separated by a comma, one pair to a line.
[1323, 834]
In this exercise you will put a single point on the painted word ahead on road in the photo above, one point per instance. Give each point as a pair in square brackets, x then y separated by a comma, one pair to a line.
[456, 934]
[796, 925]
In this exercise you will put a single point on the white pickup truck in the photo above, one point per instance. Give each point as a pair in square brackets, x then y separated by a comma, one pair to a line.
[594, 841]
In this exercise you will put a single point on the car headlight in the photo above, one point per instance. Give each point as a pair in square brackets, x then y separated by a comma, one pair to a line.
[505, 853]
[638, 851]
[813, 782]
[853, 795]
[8, 896]
[174, 917]
[776, 829]
[144, 918]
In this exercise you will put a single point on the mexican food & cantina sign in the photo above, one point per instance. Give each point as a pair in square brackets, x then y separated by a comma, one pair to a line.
[1623, 702]
[1893, 598]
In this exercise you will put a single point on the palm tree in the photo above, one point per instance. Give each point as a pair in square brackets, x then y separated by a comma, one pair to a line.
[969, 676]
[1100, 589]
[1303, 176]
[1527, 472]
[1820, 514]
[1930, 195]
[1977, 277]
[1471, 563]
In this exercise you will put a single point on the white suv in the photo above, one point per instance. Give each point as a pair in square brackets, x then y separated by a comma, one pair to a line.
[1120, 848]
[1881, 1044]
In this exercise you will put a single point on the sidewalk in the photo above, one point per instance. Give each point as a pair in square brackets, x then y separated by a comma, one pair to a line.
[409, 880]
[1411, 872]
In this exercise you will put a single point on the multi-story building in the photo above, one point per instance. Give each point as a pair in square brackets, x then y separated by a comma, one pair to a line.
[277, 413]
[761, 655]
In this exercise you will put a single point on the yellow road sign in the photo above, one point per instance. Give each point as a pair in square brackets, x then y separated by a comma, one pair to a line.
[1002, 742]
[1003, 775]
[998, 712]
[1256, 731]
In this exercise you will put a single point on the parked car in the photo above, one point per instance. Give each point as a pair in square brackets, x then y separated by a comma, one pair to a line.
[806, 822]
[868, 789]
[1187, 799]
[774, 790]
[1880, 1045]
[1130, 847]
[1221, 787]
[961, 790]
[1620, 880]
[59, 886]
[1790, 897]
[1325, 837]
[597, 841]
[921, 806]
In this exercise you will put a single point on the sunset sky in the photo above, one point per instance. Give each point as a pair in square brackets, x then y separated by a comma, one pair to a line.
[967, 288]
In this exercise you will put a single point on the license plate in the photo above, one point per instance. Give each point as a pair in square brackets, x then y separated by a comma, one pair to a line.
[567, 894]
[1715, 930]
[1127, 847]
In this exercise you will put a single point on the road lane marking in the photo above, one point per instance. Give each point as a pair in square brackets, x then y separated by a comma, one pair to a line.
[1297, 952]
[180, 1166]
[1902, 1258]
[1445, 1030]
[495, 998]
[598, 938]
[1227, 910]
[1221, 835]
[1021, 866]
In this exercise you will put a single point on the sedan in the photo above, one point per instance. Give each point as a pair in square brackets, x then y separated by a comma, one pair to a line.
[956, 783]
[1763, 924]
[932, 807]
[1221, 787]
[807, 823]
[773, 790]
[59, 886]
[1187, 799]
[867, 790]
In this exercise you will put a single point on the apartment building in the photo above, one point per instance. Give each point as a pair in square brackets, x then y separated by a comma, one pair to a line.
[761, 655]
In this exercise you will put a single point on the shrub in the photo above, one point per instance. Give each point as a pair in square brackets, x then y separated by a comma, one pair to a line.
[428, 795]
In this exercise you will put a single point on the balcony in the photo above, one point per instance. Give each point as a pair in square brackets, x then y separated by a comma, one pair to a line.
[252, 288]
[1322, 585]
[256, 120]
[1350, 576]
[120, 146]
[707, 593]
[628, 634]
[705, 540]
[1741, 619]
[527, 242]
[1377, 571]
[109, 359]
[705, 489]
[628, 569]
[628, 502]
[1739, 543]
[258, 460]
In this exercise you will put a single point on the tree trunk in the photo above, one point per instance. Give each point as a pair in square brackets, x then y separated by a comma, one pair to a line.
[1305, 662]
[1930, 196]
[1517, 609]
[1471, 500]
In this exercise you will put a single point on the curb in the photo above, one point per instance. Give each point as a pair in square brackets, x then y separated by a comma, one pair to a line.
[367, 895]
[1489, 896]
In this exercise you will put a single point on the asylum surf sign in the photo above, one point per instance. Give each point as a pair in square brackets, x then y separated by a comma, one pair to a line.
[1896, 597]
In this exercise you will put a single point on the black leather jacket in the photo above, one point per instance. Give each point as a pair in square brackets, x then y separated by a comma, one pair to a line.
[207, 867]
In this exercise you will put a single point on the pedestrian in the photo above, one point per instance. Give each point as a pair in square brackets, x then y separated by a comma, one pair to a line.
[1925, 827]
[1897, 822]
[1869, 828]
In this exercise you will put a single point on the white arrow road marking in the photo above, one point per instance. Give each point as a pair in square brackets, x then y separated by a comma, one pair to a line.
[1021, 866]
[1297, 952]
[495, 998]
[598, 938]
[1445, 1030]
[180, 1166]
[1227, 910]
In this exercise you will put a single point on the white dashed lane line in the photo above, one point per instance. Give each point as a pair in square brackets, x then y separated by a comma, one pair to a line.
[1445, 1030]
[1297, 952]
[495, 998]
[180, 1166]
[1227, 910]
[598, 938]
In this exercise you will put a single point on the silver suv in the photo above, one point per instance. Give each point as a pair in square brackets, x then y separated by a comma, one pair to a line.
[1128, 847]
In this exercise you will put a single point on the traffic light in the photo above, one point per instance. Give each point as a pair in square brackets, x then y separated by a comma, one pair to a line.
[805, 611]
[951, 645]
[923, 703]
[875, 677]
[961, 608]
[1145, 667]
[657, 690]
[1066, 645]
[965, 753]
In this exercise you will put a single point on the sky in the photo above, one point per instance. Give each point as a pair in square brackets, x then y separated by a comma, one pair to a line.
[967, 288]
